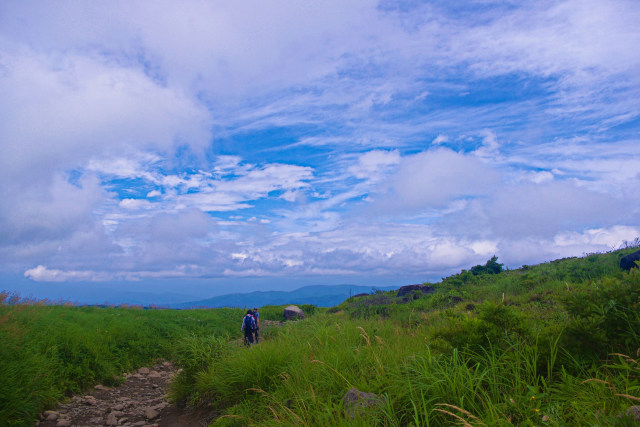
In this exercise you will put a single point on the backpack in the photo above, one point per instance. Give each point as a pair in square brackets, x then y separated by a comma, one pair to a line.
[248, 323]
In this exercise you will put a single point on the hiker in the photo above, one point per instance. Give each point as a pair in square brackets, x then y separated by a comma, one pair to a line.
[248, 326]
[256, 317]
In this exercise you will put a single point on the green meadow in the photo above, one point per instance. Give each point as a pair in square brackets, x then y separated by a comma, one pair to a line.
[551, 344]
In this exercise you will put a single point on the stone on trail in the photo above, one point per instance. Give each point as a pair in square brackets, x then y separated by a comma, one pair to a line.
[155, 374]
[51, 415]
[143, 371]
[63, 422]
[293, 312]
[111, 420]
[150, 413]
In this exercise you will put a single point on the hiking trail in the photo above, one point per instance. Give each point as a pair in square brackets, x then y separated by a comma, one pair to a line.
[138, 402]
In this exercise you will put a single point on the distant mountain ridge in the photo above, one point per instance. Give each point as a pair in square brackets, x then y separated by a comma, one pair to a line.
[319, 295]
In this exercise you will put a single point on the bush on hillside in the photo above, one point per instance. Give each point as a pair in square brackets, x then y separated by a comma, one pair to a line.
[490, 267]
[604, 317]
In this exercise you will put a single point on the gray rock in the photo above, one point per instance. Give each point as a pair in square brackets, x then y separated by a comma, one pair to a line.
[409, 289]
[293, 312]
[150, 413]
[63, 422]
[355, 400]
[111, 420]
[143, 371]
[50, 415]
[634, 412]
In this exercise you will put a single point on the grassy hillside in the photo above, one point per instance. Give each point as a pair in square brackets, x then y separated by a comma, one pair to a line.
[551, 344]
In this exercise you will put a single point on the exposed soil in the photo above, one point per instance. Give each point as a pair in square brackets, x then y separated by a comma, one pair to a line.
[139, 401]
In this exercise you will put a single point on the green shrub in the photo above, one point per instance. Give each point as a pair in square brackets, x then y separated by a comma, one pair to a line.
[604, 317]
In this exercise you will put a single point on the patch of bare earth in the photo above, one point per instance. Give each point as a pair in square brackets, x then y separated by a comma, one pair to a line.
[139, 401]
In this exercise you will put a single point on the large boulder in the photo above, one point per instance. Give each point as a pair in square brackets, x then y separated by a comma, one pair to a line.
[629, 261]
[293, 312]
[355, 401]
[409, 289]
[360, 295]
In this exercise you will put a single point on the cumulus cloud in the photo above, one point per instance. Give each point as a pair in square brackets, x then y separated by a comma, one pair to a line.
[50, 212]
[434, 178]
[66, 112]
[547, 209]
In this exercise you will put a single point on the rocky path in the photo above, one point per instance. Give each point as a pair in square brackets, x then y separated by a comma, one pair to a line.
[139, 402]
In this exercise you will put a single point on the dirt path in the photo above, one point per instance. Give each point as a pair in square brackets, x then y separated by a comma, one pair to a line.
[139, 401]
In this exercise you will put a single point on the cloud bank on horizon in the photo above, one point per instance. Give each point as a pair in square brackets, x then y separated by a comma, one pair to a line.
[314, 139]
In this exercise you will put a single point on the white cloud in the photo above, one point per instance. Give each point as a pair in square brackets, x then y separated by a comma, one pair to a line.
[490, 149]
[373, 165]
[549, 208]
[440, 139]
[43, 274]
[47, 212]
[134, 204]
[435, 178]
[65, 113]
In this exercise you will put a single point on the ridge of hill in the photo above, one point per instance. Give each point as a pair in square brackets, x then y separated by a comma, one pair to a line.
[318, 295]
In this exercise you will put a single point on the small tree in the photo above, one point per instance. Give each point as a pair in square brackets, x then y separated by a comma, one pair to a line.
[491, 267]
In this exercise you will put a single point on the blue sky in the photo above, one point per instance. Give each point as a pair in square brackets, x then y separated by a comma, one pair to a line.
[198, 148]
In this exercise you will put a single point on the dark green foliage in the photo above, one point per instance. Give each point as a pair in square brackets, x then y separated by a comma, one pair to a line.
[604, 317]
[495, 324]
[490, 267]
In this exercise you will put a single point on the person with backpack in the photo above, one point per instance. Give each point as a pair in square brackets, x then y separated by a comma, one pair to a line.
[256, 317]
[248, 326]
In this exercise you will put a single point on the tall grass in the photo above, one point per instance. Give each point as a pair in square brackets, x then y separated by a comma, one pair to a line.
[482, 350]
[552, 344]
[51, 351]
